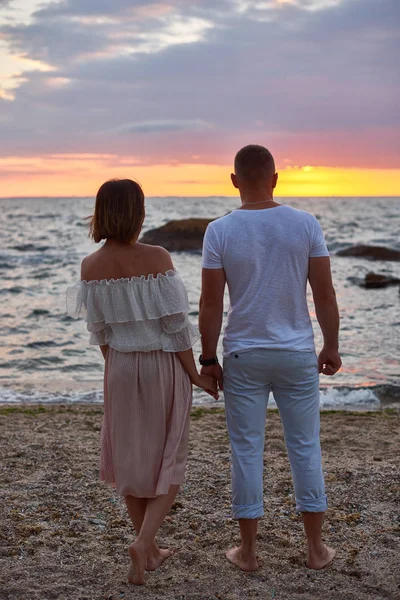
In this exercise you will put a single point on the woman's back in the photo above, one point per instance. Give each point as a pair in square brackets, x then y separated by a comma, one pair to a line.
[124, 261]
[136, 309]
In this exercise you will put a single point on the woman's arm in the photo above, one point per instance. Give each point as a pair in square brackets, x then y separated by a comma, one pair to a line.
[207, 383]
[104, 350]
[85, 275]
[187, 359]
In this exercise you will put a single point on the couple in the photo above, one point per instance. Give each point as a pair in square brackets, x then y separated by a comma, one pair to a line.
[136, 308]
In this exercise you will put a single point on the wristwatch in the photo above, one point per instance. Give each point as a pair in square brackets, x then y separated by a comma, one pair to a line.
[208, 362]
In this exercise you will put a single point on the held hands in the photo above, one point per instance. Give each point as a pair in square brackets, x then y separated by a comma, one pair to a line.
[214, 371]
[329, 361]
[207, 383]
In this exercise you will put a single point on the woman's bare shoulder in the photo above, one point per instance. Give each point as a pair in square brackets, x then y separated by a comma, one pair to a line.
[142, 259]
[91, 267]
[158, 257]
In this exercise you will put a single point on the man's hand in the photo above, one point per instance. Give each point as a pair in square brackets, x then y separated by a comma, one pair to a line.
[208, 384]
[329, 361]
[216, 372]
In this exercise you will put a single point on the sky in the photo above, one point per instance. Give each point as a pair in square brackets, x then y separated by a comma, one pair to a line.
[167, 91]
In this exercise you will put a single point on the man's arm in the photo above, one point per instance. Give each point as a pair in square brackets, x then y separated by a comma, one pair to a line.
[210, 319]
[320, 278]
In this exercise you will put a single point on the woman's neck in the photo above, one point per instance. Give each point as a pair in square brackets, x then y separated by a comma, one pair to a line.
[110, 243]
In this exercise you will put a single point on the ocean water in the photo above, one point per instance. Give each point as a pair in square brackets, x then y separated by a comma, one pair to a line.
[44, 355]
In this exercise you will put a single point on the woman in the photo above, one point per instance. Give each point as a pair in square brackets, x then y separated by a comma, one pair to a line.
[136, 309]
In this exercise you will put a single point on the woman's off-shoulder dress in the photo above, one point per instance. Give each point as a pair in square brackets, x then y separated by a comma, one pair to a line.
[147, 392]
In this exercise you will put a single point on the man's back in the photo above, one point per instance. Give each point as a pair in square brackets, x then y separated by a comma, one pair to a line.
[265, 255]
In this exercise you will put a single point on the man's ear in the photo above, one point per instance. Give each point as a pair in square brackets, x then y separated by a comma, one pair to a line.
[234, 180]
[274, 181]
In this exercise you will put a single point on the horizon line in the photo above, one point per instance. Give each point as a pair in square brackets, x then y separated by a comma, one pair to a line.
[77, 197]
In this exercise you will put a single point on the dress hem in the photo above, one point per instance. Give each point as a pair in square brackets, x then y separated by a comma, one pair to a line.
[129, 492]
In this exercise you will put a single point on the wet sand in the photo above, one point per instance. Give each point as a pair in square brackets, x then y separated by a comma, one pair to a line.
[64, 535]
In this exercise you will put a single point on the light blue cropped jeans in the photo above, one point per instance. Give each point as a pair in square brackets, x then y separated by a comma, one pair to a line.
[294, 380]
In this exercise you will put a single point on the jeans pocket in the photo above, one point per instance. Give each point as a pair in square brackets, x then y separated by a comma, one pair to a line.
[232, 364]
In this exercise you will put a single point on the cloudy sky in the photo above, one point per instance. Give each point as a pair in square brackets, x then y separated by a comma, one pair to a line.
[166, 91]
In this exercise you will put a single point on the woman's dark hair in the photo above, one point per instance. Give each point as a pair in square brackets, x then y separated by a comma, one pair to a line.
[119, 212]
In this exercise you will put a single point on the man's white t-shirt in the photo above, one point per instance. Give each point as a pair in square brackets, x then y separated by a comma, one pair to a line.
[265, 255]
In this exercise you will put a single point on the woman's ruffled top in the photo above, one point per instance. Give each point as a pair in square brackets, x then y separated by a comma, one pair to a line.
[140, 314]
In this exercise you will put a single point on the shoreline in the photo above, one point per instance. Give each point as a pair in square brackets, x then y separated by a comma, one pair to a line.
[197, 410]
[375, 397]
[65, 534]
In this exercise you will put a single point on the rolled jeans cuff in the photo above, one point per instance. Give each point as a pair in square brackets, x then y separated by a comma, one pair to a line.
[313, 505]
[248, 511]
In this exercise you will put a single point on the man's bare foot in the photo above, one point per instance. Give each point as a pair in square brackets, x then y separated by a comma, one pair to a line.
[156, 559]
[245, 563]
[138, 555]
[321, 559]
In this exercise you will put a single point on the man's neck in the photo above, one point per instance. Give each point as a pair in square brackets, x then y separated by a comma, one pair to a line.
[257, 198]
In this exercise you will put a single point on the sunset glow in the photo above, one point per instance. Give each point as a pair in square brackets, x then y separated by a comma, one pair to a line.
[168, 91]
[81, 175]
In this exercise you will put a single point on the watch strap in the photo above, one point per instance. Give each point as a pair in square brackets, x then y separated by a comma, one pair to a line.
[208, 362]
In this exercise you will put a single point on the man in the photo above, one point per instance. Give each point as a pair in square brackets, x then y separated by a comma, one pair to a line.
[266, 252]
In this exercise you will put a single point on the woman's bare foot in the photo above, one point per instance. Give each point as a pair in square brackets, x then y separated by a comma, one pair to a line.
[138, 554]
[243, 562]
[156, 559]
[320, 559]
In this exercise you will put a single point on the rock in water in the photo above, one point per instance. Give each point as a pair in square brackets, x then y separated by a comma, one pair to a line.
[376, 280]
[372, 252]
[184, 235]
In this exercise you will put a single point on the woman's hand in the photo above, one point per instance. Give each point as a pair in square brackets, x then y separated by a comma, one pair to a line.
[207, 383]
[216, 372]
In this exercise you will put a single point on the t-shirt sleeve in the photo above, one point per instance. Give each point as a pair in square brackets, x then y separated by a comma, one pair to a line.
[212, 258]
[318, 245]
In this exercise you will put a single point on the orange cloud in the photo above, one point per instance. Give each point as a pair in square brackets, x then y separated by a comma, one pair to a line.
[82, 174]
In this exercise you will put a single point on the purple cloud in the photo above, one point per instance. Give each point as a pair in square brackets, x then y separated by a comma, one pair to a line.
[167, 77]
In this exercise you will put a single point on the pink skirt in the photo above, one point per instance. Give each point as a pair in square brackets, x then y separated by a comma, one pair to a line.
[145, 431]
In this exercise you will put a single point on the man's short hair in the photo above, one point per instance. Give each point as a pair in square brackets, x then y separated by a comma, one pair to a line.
[253, 163]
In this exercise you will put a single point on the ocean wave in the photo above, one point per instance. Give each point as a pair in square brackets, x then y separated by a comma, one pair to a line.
[42, 274]
[33, 365]
[50, 216]
[38, 312]
[29, 259]
[343, 397]
[48, 344]
[30, 248]
[82, 368]
[13, 290]
[35, 307]
[340, 398]
[10, 396]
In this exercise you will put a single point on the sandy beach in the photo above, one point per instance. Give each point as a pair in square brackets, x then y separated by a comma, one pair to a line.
[64, 535]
